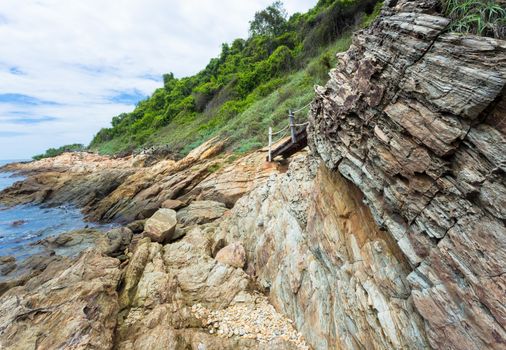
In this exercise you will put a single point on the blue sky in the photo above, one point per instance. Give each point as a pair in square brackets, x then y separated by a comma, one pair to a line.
[68, 67]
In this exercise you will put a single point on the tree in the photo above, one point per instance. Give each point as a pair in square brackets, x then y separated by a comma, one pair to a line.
[270, 22]
[168, 81]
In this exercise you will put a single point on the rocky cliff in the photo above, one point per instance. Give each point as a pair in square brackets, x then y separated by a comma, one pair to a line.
[387, 234]
[415, 118]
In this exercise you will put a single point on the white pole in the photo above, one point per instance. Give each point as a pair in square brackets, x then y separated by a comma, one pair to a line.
[270, 144]
[292, 126]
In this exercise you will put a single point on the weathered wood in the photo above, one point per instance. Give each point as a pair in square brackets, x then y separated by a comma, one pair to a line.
[289, 148]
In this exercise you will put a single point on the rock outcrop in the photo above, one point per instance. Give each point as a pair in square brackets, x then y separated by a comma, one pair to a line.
[65, 307]
[162, 286]
[414, 117]
[314, 248]
[114, 190]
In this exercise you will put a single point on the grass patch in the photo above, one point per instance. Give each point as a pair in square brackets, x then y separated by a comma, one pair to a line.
[481, 17]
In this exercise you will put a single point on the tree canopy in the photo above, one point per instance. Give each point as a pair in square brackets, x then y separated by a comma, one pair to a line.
[270, 22]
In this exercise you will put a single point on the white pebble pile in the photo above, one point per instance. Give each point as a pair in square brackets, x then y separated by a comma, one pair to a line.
[258, 320]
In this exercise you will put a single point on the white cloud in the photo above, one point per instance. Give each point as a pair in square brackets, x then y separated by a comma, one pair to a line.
[79, 54]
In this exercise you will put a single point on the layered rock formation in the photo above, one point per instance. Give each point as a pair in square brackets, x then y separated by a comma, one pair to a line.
[146, 298]
[123, 190]
[414, 117]
[65, 307]
[313, 246]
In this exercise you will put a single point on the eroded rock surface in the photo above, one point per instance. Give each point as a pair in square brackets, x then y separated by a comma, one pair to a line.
[201, 212]
[121, 190]
[162, 286]
[314, 247]
[389, 235]
[65, 307]
[414, 117]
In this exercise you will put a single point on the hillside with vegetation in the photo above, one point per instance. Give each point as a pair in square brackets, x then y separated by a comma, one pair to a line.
[248, 88]
[255, 81]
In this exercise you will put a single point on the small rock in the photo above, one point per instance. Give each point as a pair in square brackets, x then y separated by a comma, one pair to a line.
[233, 255]
[117, 241]
[137, 226]
[201, 212]
[7, 264]
[148, 211]
[18, 223]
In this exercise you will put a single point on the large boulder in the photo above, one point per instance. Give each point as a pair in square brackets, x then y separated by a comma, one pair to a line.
[233, 255]
[201, 212]
[161, 226]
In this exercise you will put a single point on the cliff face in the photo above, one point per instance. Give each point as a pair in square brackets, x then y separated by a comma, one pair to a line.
[415, 118]
[314, 247]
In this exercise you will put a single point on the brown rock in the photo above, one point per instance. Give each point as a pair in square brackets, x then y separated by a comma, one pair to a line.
[161, 226]
[235, 180]
[7, 264]
[233, 255]
[137, 226]
[173, 204]
[77, 305]
[113, 189]
[412, 119]
[314, 245]
[117, 240]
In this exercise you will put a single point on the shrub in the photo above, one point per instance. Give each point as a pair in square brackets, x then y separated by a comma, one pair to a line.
[53, 152]
[482, 17]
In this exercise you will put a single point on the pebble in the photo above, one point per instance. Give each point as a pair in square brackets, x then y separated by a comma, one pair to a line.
[258, 320]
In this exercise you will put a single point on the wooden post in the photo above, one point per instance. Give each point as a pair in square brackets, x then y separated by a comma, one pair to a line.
[292, 125]
[270, 144]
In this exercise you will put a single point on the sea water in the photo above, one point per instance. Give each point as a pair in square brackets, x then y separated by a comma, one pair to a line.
[23, 225]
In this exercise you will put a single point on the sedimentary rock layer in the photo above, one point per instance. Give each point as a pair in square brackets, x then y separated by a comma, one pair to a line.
[314, 247]
[415, 116]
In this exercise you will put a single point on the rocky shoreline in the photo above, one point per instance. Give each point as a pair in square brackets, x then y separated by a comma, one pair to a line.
[388, 233]
[121, 287]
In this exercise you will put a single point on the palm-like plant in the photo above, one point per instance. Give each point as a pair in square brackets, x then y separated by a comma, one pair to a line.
[482, 17]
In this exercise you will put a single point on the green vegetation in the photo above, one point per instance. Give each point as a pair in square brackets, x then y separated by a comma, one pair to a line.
[53, 152]
[482, 17]
[248, 88]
